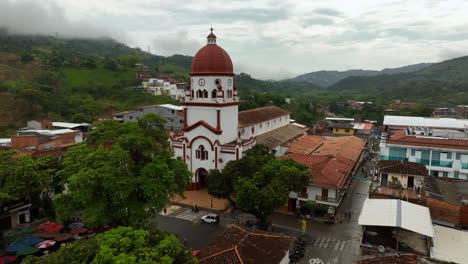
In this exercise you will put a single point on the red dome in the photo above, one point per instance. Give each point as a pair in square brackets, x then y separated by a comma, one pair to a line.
[211, 60]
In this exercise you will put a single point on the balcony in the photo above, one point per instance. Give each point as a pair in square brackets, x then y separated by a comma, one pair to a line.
[464, 166]
[423, 161]
[393, 158]
[326, 199]
[303, 195]
[439, 163]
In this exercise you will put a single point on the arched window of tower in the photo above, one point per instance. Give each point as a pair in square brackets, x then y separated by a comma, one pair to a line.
[205, 94]
[213, 93]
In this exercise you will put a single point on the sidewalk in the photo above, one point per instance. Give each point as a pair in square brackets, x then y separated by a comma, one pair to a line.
[202, 199]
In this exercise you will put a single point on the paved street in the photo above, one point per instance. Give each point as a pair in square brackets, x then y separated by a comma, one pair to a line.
[198, 235]
[338, 243]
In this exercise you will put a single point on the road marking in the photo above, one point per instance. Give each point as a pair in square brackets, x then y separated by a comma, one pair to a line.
[326, 243]
[317, 241]
[336, 245]
[322, 242]
[342, 245]
[189, 215]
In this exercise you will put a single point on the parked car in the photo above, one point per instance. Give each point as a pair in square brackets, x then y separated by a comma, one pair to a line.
[210, 219]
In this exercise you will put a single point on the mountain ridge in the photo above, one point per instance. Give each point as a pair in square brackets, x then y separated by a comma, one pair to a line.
[326, 78]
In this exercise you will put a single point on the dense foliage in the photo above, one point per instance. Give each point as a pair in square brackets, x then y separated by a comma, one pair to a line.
[123, 174]
[260, 182]
[121, 245]
[23, 175]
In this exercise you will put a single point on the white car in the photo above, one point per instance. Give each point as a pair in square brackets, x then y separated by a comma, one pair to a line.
[210, 219]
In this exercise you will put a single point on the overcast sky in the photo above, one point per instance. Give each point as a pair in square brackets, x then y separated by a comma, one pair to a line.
[270, 39]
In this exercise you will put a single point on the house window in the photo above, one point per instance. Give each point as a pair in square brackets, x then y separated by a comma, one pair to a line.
[413, 152]
[445, 174]
[181, 121]
[201, 153]
[456, 174]
[172, 111]
[449, 155]
[458, 156]
[347, 130]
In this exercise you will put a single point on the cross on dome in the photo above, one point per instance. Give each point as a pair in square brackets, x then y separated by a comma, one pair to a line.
[211, 37]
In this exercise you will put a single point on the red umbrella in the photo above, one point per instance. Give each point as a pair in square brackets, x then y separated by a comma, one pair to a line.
[7, 259]
[195, 252]
[50, 227]
[45, 234]
[62, 237]
[46, 244]
[79, 230]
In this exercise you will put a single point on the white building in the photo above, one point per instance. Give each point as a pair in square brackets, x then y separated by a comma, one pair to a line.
[214, 131]
[168, 87]
[439, 143]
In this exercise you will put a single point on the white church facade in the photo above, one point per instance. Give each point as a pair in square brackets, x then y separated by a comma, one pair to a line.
[214, 131]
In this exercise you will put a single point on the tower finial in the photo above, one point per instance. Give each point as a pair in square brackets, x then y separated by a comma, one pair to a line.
[211, 29]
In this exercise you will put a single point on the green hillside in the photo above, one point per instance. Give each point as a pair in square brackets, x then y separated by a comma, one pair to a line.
[445, 82]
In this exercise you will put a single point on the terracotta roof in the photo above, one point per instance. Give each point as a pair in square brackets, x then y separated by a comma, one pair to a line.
[399, 259]
[247, 246]
[211, 35]
[330, 160]
[400, 137]
[280, 135]
[258, 115]
[402, 167]
[212, 60]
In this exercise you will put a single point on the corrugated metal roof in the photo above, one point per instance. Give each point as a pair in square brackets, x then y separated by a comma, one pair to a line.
[258, 115]
[68, 125]
[417, 121]
[396, 213]
[171, 106]
[280, 135]
[449, 244]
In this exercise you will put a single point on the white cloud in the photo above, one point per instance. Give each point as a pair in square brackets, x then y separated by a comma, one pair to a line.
[266, 38]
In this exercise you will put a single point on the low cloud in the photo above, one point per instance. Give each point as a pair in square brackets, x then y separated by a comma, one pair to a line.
[328, 12]
[43, 18]
[178, 43]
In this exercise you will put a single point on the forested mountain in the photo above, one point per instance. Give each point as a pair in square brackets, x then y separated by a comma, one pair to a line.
[445, 82]
[328, 78]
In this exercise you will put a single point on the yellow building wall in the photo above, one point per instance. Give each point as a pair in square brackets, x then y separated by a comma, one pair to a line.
[343, 131]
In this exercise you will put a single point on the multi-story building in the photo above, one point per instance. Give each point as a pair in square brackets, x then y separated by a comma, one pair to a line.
[439, 143]
[172, 113]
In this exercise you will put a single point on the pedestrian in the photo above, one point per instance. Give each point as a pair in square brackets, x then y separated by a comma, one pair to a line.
[308, 218]
[165, 211]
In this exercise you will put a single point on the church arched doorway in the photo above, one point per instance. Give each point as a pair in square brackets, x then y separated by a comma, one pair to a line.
[202, 175]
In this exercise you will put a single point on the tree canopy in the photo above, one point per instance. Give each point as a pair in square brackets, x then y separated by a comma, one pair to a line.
[260, 182]
[22, 175]
[121, 175]
[121, 245]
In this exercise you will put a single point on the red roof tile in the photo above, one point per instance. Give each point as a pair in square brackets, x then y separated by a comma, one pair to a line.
[400, 137]
[247, 246]
[212, 59]
[330, 160]
[402, 167]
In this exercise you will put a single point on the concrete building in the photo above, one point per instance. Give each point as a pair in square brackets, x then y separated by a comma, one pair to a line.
[173, 114]
[331, 161]
[439, 143]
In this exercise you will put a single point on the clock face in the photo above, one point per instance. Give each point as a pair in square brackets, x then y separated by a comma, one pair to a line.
[229, 82]
[201, 82]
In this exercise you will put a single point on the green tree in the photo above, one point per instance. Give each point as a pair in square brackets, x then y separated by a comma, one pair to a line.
[122, 245]
[130, 60]
[23, 175]
[261, 182]
[269, 188]
[122, 175]
[221, 184]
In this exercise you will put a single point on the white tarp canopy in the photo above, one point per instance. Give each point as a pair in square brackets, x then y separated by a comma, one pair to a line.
[449, 244]
[397, 213]
[417, 121]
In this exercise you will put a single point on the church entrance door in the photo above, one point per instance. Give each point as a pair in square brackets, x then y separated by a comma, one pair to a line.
[202, 175]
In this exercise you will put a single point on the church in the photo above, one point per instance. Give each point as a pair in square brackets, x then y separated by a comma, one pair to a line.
[214, 131]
